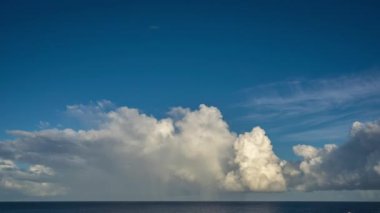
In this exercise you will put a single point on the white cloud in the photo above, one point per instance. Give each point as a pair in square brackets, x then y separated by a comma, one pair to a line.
[130, 155]
[32, 188]
[7, 165]
[131, 151]
[258, 168]
[41, 170]
[32, 181]
[353, 165]
[305, 151]
[377, 168]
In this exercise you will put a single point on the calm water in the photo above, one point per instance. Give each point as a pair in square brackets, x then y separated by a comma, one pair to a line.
[167, 207]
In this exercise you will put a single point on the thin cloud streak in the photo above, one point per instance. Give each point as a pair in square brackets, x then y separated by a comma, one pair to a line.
[315, 95]
[313, 106]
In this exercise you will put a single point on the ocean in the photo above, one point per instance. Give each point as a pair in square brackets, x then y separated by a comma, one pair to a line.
[183, 207]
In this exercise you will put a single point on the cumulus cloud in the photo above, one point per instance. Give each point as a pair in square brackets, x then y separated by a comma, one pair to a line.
[136, 154]
[353, 165]
[131, 155]
[32, 181]
[258, 168]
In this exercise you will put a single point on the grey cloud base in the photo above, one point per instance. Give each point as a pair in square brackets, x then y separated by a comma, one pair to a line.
[353, 165]
[130, 154]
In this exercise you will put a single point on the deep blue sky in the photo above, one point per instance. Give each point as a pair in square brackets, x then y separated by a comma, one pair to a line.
[159, 54]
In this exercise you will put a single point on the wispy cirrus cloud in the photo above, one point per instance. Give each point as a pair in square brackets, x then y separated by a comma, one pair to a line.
[314, 105]
[308, 96]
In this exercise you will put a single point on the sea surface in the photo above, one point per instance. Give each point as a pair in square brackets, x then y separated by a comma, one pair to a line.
[183, 207]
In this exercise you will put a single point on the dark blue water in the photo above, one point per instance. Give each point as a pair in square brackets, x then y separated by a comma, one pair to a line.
[167, 207]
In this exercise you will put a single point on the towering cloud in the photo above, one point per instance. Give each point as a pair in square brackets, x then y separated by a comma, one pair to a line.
[257, 167]
[135, 154]
[131, 155]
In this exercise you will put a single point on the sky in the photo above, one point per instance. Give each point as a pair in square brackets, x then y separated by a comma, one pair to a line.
[189, 100]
